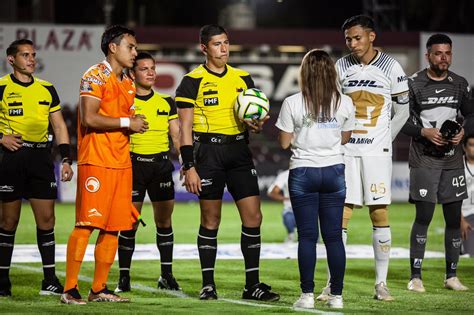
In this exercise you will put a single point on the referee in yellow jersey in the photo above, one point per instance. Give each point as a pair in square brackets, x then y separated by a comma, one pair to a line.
[28, 106]
[219, 156]
[152, 171]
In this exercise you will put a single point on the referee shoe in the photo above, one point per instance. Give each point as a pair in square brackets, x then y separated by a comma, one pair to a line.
[260, 292]
[168, 282]
[208, 292]
[123, 285]
[51, 287]
[5, 288]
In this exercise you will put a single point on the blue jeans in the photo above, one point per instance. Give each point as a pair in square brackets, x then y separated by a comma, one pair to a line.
[319, 192]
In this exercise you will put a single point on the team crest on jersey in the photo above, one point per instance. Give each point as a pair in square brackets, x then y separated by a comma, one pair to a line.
[423, 192]
[92, 184]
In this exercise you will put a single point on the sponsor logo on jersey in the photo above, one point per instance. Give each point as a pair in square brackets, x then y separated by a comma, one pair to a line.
[211, 101]
[423, 192]
[92, 184]
[360, 83]
[440, 100]
[165, 184]
[402, 78]
[7, 188]
[94, 80]
[361, 140]
[15, 112]
[85, 86]
[439, 91]
[417, 263]
[420, 239]
[94, 213]
[209, 85]
[13, 95]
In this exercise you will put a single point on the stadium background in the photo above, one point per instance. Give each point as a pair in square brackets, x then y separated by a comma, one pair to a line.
[268, 39]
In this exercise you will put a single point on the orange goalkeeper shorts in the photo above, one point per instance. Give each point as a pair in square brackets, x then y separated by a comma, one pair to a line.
[104, 198]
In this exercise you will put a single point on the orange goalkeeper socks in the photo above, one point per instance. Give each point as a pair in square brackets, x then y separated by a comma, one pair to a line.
[105, 250]
[76, 248]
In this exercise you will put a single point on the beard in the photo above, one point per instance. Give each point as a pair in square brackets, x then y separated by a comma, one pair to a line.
[437, 70]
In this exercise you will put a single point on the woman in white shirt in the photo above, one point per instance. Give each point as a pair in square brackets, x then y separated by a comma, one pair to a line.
[316, 123]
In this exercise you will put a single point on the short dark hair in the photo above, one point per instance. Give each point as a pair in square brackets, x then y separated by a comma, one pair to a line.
[438, 39]
[467, 137]
[13, 48]
[113, 34]
[361, 20]
[142, 55]
[207, 31]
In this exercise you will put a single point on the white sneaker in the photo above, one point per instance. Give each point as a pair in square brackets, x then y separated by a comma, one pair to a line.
[416, 285]
[306, 300]
[324, 296]
[382, 293]
[335, 301]
[453, 283]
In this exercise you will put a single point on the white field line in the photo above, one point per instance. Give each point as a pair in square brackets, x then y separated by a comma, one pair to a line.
[29, 253]
[179, 294]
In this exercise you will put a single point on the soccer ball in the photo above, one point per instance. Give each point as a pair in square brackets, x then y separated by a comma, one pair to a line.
[251, 104]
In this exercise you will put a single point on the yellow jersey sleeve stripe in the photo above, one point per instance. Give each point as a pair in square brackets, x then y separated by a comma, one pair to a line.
[171, 117]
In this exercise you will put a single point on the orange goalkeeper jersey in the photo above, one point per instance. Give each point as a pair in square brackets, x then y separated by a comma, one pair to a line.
[106, 148]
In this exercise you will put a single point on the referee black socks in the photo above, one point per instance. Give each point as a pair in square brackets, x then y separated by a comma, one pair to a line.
[164, 242]
[250, 243]
[7, 239]
[46, 247]
[126, 247]
[207, 248]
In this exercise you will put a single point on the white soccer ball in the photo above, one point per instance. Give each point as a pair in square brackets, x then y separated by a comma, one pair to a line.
[251, 104]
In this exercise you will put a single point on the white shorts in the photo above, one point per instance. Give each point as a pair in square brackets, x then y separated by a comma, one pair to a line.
[368, 180]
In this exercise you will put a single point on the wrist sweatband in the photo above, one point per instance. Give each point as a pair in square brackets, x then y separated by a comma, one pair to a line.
[187, 153]
[124, 122]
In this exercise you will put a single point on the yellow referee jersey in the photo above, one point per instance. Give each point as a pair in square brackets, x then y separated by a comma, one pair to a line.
[213, 95]
[158, 109]
[25, 107]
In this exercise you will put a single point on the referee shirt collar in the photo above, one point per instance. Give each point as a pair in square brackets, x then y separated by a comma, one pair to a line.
[220, 75]
[15, 80]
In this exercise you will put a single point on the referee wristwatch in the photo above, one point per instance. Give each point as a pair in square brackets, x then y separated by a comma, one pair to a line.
[188, 165]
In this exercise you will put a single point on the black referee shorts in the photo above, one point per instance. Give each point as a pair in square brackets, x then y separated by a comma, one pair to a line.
[27, 173]
[152, 173]
[230, 164]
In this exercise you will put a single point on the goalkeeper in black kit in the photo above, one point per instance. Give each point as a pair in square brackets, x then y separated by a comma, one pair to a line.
[437, 95]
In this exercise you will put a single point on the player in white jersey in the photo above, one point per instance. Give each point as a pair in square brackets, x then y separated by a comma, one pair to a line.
[377, 85]
[467, 218]
[279, 191]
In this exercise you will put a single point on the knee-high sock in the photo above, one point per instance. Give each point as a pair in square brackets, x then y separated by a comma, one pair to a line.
[452, 236]
[164, 242]
[126, 247]
[46, 247]
[105, 250]
[7, 240]
[419, 236]
[250, 242]
[207, 248]
[382, 242]
[76, 248]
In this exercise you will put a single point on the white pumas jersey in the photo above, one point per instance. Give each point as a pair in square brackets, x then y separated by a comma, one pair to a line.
[372, 88]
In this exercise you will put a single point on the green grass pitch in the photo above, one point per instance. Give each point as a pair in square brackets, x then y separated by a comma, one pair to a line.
[282, 275]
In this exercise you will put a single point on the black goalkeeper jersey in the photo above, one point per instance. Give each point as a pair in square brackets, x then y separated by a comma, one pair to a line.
[431, 103]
